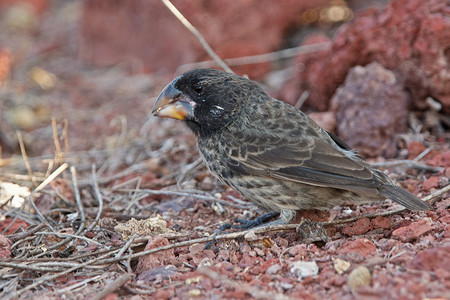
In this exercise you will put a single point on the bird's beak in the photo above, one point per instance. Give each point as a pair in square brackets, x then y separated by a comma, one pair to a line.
[171, 103]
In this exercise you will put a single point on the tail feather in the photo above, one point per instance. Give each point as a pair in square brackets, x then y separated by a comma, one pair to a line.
[404, 198]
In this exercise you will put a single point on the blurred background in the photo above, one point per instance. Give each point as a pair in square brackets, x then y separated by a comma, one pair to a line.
[98, 64]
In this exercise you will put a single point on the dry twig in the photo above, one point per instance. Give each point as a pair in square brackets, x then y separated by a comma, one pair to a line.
[190, 194]
[76, 192]
[98, 197]
[49, 278]
[25, 157]
[115, 285]
[260, 58]
[197, 34]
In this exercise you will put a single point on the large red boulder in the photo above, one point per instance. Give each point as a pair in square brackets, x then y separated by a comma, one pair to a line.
[409, 37]
[371, 109]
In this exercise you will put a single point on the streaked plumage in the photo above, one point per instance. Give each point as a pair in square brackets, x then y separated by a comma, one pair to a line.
[270, 152]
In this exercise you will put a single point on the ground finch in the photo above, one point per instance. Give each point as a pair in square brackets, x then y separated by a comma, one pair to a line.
[270, 152]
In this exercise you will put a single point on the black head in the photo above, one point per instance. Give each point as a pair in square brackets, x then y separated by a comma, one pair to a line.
[206, 99]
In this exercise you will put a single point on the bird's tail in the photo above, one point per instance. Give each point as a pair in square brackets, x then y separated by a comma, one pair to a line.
[404, 198]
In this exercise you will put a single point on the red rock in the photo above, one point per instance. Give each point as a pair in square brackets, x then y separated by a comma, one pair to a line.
[112, 296]
[157, 274]
[411, 185]
[300, 250]
[256, 270]
[312, 214]
[444, 203]
[436, 260]
[196, 248]
[145, 32]
[432, 215]
[205, 284]
[39, 6]
[409, 37]
[198, 257]
[234, 257]
[362, 246]
[273, 269]
[157, 259]
[445, 219]
[430, 183]
[163, 294]
[244, 248]
[326, 120]
[371, 109]
[235, 294]
[12, 228]
[5, 64]
[413, 231]
[361, 226]
[440, 159]
[224, 255]
[381, 222]
[415, 148]
[337, 280]
[63, 279]
[5, 247]
[248, 261]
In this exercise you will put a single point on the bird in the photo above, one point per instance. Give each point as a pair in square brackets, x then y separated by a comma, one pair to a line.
[270, 152]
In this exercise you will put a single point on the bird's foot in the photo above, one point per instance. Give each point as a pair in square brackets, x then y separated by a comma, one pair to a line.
[262, 220]
[259, 221]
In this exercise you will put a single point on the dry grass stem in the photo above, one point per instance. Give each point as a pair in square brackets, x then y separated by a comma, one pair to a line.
[257, 59]
[25, 157]
[98, 197]
[197, 34]
[115, 285]
[76, 192]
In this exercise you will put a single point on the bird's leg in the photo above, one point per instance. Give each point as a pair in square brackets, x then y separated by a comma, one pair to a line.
[247, 224]
[264, 220]
[261, 220]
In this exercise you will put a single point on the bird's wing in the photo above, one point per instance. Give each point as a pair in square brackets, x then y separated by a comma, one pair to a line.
[305, 159]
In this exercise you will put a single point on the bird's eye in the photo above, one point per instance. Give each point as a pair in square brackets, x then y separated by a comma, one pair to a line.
[197, 88]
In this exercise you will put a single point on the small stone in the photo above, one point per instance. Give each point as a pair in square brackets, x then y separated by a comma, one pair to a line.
[195, 293]
[259, 252]
[415, 148]
[5, 247]
[156, 259]
[298, 250]
[303, 269]
[362, 246]
[361, 226]
[286, 285]
[251, 236]
[381, 222]
[206, 262]
[430, 183]
[273, 269]
[341, 265]
[359, 277]
[414, 230]
[193, 280]
[142, 227]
